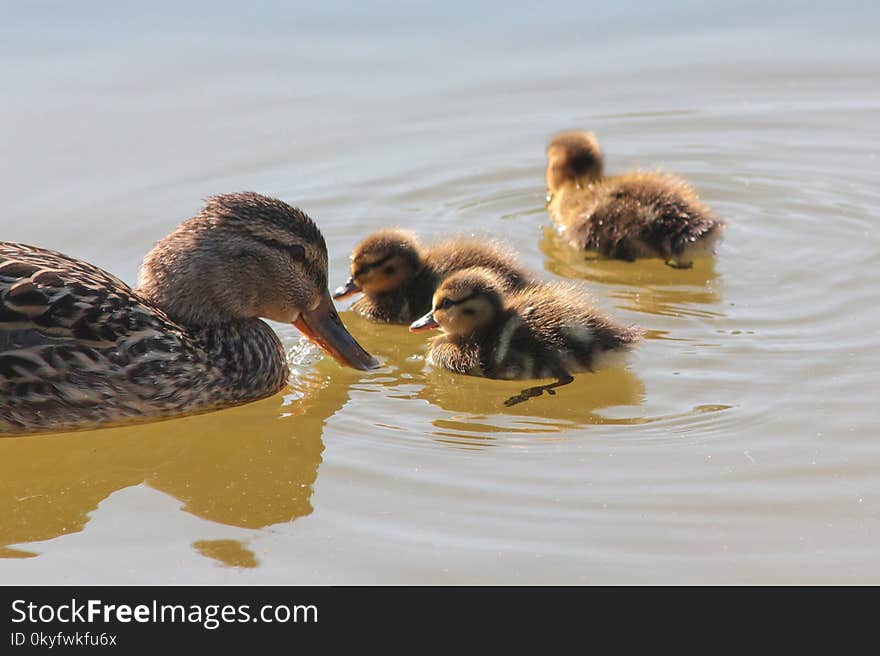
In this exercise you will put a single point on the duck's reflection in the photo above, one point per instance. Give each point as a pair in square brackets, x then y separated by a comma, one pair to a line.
[229, 553]
[249, 466]
[648, 286]
[481, 416]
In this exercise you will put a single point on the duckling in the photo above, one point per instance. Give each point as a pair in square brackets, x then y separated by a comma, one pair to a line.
[80, 348]
[398, 276]
[627, 216]
[542, 331]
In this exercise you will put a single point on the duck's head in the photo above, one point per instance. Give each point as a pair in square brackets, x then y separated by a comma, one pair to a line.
[246, 256]
[573, 157]
[466, 302]
[381, 263]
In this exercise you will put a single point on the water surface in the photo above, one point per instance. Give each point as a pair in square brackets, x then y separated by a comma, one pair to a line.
[738, 445]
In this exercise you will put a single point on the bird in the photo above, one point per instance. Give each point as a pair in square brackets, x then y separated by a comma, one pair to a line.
[545, 330]
[629, 216]
[79, 348]
[397, 275]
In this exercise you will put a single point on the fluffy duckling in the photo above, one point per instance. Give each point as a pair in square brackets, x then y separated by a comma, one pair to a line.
[541, 331]
[398, 276]
[79, 347]
[627, 216]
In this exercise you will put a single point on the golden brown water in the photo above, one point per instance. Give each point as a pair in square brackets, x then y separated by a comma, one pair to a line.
[740, 443]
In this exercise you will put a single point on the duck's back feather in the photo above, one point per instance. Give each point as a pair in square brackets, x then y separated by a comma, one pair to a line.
[461, 253]
[637, 215]
[79, 347]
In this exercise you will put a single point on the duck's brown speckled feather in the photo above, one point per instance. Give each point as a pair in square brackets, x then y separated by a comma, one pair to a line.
[78, 347]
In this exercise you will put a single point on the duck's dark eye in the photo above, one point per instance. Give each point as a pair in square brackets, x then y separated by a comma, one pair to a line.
[389, 270]
[445, 304]
[298, 253]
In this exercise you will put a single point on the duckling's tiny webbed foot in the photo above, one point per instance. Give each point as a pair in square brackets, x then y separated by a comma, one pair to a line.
[538, 390]
[526, 394]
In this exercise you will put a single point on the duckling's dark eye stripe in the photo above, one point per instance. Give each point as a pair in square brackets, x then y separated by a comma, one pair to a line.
[297, 251]
[369, 267]
[448, 302]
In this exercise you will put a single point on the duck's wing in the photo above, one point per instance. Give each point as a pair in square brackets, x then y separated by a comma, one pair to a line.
[47, 297]
[74, 338]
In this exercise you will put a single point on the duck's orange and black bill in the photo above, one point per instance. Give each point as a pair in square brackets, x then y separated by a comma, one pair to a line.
[427, 322]
[350, 287]
[324, 327]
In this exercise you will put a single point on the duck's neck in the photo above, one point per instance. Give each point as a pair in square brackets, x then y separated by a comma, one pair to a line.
[248, 354]
[242, 357]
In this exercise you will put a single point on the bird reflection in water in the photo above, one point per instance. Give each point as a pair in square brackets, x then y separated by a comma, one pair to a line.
[646, 286]
[479, 413]
[229, 553]
[480, 416]
[250, 466]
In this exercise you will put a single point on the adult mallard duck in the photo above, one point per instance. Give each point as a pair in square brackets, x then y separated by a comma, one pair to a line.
[542, 331]
[398, 276]
[626, 216]
[79, 347]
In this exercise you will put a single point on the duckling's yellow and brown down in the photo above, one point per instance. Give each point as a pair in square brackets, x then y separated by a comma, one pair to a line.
[398, 276]
[542, 331]
[629, 216]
